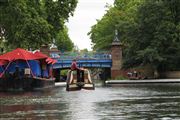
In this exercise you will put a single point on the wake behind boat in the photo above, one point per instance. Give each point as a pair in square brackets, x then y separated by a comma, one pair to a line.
[80, 81]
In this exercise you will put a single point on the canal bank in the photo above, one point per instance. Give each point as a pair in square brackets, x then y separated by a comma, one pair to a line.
[152, 81]
[116, 82]
[60, 84]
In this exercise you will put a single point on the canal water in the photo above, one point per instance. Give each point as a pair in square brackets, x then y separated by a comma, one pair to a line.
[124, 102]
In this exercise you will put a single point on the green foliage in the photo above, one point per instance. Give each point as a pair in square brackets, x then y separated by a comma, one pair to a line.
[156, 36]
[101, 34]
[58, 11]
[64, 72]
[149, 29]
[31, 23]
[121, 78]
[120, 17]
[63, 41]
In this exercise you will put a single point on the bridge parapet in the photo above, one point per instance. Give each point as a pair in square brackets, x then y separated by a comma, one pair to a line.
[88, 55]
[87, 63]
[86, 60]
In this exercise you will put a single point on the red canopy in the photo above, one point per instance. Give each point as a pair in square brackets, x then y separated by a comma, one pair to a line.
[48, 59]
[3, 62]
[20, 54]
[40, 54]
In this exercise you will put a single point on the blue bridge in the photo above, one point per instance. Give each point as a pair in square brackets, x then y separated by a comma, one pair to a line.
[93, 60]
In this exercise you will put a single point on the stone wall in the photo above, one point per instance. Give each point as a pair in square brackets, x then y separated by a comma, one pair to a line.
[115, 73]
[170, 74]
[145, 72]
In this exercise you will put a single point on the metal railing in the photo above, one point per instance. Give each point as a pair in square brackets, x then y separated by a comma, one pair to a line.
[76, 55]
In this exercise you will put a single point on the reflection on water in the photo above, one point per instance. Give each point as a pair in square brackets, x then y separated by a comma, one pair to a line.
[143, 102]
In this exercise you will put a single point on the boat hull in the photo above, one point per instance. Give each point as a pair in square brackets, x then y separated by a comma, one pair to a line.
[74, 84]
[8, 84]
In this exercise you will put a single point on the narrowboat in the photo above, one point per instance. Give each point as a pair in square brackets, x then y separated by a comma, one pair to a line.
[24, 70]
[79, 81]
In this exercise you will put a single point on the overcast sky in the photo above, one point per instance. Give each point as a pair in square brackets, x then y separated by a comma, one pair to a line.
[85, 16]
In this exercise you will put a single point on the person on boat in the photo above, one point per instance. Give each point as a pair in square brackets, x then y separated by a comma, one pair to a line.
[74, 65]
[44, 69]
[17, 72]
[80, 77]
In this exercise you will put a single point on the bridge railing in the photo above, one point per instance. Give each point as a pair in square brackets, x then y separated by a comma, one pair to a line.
[98, 63]
[98, 59]
[76, 55]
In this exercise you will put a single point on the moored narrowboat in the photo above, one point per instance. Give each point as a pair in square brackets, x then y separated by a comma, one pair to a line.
[24, 70]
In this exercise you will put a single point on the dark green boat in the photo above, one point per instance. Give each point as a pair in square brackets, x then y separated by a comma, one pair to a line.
[25, 83]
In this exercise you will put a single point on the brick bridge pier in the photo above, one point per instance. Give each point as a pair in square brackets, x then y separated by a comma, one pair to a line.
[116, 54]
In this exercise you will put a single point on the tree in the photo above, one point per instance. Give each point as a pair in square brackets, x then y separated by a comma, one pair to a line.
[63, 41]
[29, 24]
[58, 11]
[149, 29]
[101, 34]
[120, 17]
[155, 39]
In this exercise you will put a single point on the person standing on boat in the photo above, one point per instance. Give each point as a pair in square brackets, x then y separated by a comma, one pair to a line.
[17, 72]
[74, 65]
[80, 77]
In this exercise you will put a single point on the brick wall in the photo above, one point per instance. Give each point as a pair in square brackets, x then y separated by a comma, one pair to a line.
[170, 74]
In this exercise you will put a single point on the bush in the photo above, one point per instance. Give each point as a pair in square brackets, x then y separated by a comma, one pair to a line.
[121, 78]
